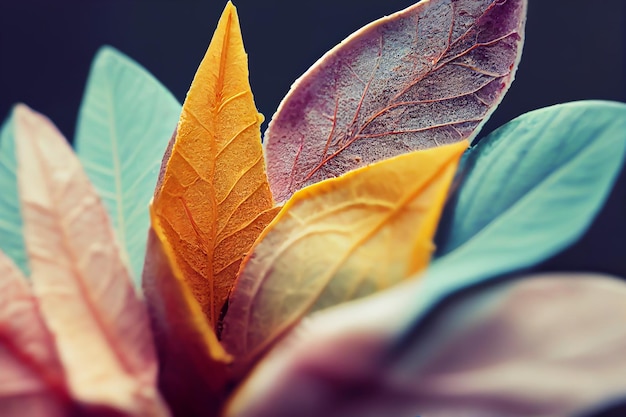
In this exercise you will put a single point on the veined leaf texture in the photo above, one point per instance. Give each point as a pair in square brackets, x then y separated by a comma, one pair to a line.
[193, 372]
[125, 121]
[425, 76]
[32, 381]
[338, 240]
[214, 198]
[87, 299]
[211, 203]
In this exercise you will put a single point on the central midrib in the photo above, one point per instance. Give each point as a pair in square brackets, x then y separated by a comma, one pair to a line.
[117, 179]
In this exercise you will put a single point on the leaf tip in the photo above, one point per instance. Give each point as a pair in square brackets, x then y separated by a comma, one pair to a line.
[20, 110]
[25, 118]
[107, 51]
[107, 56]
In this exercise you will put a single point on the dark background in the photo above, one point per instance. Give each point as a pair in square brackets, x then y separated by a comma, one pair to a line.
[574, 48]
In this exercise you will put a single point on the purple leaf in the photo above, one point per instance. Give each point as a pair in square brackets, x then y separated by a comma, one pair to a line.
[425, 76]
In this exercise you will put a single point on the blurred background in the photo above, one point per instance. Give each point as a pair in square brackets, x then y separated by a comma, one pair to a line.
[574, 50]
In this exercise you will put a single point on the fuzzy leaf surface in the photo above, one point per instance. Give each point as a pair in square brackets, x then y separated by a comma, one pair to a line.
[214, 198]
[428, 75]
[84, 290]
[336, 241]
[125, 121]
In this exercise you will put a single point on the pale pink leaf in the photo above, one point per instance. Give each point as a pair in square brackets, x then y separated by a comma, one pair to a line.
[538, 346]
[425, 76]
[31, 378]
[99, 324]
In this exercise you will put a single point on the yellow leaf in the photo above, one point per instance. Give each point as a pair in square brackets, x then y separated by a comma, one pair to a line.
[214, 199]
[338, 240]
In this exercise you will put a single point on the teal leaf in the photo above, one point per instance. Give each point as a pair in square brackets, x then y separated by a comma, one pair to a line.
[534, 186]
[527, 191]
[11, 239]
[125, 122]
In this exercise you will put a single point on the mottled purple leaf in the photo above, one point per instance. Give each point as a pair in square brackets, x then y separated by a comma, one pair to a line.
[425, 76]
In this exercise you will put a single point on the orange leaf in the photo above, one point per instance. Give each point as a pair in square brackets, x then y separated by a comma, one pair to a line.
[88, 302]
[193, 363]
[31, 380]
[338, 240]
[214, 199]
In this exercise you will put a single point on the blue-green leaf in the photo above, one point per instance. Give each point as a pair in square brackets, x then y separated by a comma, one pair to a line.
[527, 191]
[125, 122]
[11, 239]
[533, 187]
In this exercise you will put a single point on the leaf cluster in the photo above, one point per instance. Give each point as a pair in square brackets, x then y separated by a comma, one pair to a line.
[366, 258]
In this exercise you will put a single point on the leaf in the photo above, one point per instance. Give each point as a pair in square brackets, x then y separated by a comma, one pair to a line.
[537, 346]
[192, 374]
[425, 76]
[31, 381]
[214, 199]
[124, 123]
[338, 240]
[11, 239]
[528, 191]
[85, 293]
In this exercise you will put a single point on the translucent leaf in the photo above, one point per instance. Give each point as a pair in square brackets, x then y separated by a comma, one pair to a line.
[428, 75]
[125, 121]
[87, 299]
[211, 203]
[339, 240]
[193, 373]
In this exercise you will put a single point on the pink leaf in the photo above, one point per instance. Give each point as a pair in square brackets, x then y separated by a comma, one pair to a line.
[428, 75]
[539, 346]
[99, 324]
[31, 378]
